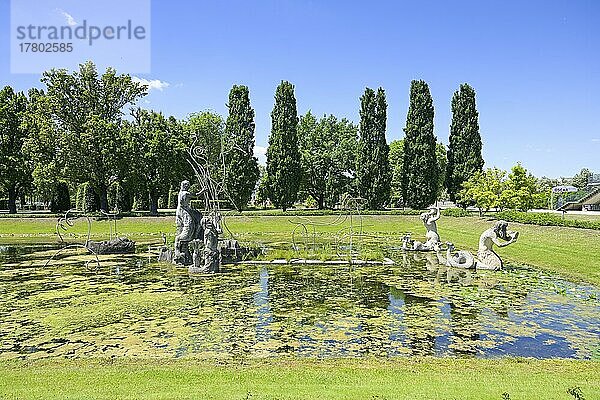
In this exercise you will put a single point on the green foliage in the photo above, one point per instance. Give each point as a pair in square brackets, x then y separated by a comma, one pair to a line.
[464, 150]
[15, 167]
[372, 165]
[490, 189]
[420, 172]
[86, 110]
[442, 162]
[396, 159]
[207, 128]
[456, 212]
[241, 167]
[43, 146]
[284, 171]
[172, 199]
[520, 190]
[581, 180]
[118, 198]
[154, 144]
[316, 212]
[310, 202]
[60, 199]
[141, 201]
[262, 194]
[483, 189]
[545, 219]
[328, 150]
[87, 198]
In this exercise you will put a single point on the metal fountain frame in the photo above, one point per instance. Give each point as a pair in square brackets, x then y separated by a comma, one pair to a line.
[354, 206]
[67, 221]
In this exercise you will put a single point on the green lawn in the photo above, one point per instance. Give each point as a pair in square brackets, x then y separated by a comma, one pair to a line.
[406, 378]
[572, 252]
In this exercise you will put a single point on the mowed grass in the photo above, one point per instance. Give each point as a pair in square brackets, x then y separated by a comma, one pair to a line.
[404, 378]
[572, 252]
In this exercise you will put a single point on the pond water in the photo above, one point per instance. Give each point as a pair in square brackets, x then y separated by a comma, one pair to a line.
[132, 306]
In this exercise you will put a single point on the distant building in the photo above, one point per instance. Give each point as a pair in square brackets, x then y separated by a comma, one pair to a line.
[589, 200]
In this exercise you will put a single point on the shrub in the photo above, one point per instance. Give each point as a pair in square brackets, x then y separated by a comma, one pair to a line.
[455, 212]
[545, 219]
[308, 212]
[61, 200]
[119, 198]
[86, 198]
[141, 201]
[172, 201]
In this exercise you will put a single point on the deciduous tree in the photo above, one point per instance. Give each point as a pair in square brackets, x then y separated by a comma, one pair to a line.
[15, 167]
[155, 152]
[328, 149]
[86, 110]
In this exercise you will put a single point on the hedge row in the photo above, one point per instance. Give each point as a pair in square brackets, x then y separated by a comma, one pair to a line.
[311, 212]
[545, 219]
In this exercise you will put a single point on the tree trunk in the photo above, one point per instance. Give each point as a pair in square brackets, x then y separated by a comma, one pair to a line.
[12, 200]
[154, 204]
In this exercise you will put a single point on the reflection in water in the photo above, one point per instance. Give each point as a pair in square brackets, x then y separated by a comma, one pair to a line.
[263, 309]
[417, 307]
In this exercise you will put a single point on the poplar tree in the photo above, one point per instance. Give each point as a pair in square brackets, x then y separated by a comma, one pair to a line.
[283, 157]
[372, 167]
[241, 167]
[420, 173]
[464, 149]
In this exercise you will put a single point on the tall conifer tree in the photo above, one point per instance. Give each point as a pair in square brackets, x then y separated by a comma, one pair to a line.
[283, 157]
[372, 168]
[241, 167]
[464, 150]
[420, 171]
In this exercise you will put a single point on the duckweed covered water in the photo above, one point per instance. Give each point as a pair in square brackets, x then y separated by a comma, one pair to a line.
[132, 306]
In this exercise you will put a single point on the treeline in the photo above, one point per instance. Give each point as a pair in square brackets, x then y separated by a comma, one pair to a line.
[71, 145]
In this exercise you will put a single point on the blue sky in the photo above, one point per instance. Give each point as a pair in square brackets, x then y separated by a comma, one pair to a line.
[535, 66]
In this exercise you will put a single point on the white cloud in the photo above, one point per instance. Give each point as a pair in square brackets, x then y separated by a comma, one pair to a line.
[68, 17]
[152, 83]
[260, 152]
[596, 140]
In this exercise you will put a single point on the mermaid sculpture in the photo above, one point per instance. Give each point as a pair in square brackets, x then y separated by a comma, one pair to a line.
[488, 259]
[433, 238]
[189, 225]
[460, 259]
